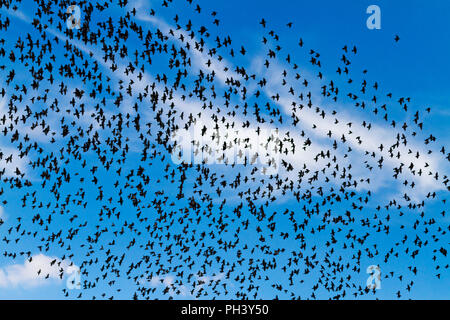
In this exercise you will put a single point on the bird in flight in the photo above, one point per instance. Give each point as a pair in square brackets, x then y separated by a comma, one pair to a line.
[149, 154]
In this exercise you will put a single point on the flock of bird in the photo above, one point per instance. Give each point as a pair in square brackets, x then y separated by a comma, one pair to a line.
[91, 120]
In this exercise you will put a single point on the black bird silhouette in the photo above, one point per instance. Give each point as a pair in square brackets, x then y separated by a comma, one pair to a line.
[95, 125]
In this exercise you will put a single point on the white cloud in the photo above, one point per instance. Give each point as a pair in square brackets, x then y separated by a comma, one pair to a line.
[26, 275]
[175, 288]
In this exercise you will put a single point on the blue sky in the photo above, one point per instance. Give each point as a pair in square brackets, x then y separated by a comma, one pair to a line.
[416, 66]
